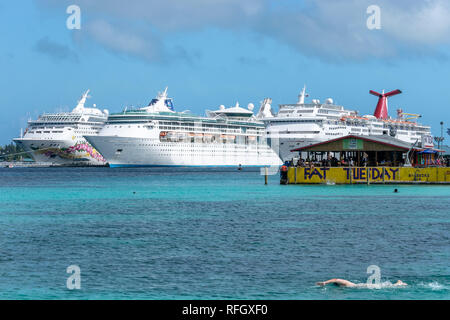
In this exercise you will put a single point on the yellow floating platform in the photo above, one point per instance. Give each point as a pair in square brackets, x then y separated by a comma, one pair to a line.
[368, 175]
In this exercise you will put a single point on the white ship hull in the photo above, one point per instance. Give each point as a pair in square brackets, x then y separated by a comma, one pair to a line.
[62, 152]
[129, 151]
[301, 124]
[57, 138]
[286, 145]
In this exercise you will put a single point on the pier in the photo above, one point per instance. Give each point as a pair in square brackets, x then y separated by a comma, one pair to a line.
[366, 160]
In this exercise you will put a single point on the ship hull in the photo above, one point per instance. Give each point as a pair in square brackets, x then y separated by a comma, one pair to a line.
[62, 152]
[135, 152]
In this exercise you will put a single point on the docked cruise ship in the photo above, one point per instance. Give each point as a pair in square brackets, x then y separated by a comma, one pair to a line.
[156, 135]
[301, 124]
[57, 138]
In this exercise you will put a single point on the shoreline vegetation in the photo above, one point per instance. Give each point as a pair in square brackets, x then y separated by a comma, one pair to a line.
[13, 153]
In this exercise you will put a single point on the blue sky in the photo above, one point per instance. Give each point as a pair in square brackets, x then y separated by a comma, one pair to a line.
[218, 52]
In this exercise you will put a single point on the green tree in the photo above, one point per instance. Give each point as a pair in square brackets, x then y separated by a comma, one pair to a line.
[13, 152]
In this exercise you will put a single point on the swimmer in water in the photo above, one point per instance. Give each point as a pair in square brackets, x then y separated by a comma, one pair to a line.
[349, 284]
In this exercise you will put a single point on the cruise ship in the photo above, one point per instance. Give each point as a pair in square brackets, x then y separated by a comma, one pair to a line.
[57, 138]
[156, 135]
[301, 124]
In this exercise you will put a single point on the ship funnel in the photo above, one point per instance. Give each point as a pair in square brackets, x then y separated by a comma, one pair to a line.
[381, 112]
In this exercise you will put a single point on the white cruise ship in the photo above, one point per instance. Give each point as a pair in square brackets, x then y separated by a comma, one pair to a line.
[300, 124]
[156, 135]
[57, 138]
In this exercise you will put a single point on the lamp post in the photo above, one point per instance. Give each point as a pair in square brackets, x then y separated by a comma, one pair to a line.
[440, 139]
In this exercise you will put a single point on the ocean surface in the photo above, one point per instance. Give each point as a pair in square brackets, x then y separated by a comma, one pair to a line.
[162, 233]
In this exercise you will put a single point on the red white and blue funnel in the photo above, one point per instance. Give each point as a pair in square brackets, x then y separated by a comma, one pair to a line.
[381, 112]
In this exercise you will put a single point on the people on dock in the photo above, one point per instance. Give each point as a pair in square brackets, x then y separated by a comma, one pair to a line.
[284, 173]
[363, 159]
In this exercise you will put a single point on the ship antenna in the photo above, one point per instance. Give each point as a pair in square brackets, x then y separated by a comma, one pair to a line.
[302, 95]
[164, 93]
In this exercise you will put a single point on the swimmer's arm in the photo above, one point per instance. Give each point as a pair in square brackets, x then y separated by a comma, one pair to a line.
[324, 283]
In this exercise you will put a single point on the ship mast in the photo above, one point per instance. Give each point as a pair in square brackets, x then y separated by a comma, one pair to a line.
[81, 102]
[302, 95]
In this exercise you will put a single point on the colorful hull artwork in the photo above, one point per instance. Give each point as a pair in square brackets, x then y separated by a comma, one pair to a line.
[77, 151]
[349, 175]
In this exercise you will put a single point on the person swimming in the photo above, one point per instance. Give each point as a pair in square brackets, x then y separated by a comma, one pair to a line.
[349, 284]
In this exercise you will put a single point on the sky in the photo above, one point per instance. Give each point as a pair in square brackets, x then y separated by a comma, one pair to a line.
[213, 52]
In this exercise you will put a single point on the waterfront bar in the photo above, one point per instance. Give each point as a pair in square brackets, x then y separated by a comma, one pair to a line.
[366, 159]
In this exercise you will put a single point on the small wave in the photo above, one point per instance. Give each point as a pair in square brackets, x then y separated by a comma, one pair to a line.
[387, 284]
[433, 285]
[382, 285]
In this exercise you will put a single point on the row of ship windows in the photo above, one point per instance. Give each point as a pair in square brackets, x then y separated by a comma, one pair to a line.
[206, 129]
[189, 126]
[45, 131]
[202, 151]
[212, 129]
[300, 121]
[350, 124]
[299, 132]
[189, 147]
[377, 126]
[213, 140]
[58, 131]
[58, 123]
[50, 145]
[215, 130]
[359, 130]
[336, 128]
[171, 154]
[328, 111]
[63, 127]
[204, 125]
[298, 111]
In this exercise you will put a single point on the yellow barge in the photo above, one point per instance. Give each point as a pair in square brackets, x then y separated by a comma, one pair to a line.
[366, 160]
[368, 175]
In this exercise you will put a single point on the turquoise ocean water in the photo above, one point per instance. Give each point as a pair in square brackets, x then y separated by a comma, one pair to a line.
[215, 234]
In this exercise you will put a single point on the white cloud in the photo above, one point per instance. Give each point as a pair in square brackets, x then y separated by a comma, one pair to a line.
[337, 30]
[329, 29]
[123, 40]
[426, 24]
